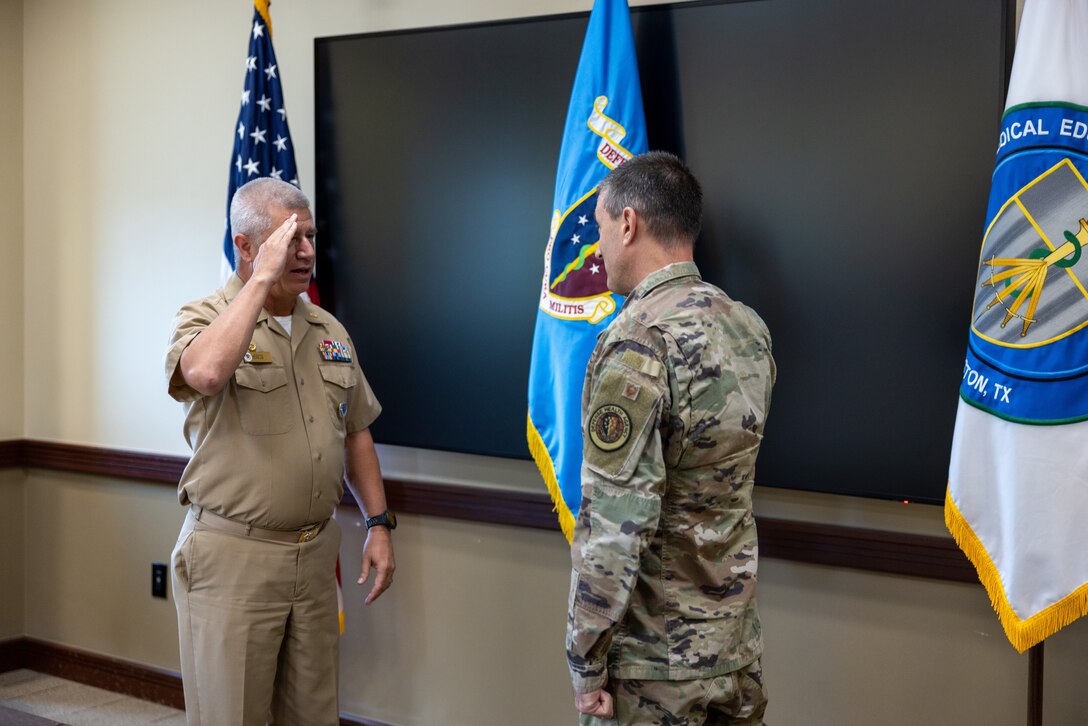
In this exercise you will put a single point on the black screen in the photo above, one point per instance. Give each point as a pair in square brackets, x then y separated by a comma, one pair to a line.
[845, 149]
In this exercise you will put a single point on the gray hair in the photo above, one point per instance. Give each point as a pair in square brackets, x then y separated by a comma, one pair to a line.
[249, 213]
[662, 190]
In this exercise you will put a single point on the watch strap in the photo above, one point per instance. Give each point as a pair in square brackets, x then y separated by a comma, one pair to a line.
[386, 519]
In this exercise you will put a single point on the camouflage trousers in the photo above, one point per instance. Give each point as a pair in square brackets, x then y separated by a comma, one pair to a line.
[734, 699]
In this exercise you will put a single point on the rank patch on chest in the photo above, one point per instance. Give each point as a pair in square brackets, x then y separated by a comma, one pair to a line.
[609, 427]
[335, 350]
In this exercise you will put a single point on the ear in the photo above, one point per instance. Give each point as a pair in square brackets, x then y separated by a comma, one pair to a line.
[630, 225]
[246, 249]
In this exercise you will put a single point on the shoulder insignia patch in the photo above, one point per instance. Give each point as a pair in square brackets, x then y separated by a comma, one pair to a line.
[609, 427]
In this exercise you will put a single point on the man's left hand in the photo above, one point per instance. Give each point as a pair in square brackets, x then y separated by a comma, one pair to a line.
[378, 553]
[595, 703]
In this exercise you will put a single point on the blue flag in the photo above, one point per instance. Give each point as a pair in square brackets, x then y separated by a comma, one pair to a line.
[1017, 499]
[262, 141]
[605, 127]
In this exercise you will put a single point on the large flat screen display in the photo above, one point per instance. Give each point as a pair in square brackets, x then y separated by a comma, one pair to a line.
[845, 149]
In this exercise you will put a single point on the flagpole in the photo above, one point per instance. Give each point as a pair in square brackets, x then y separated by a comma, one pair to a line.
[1035, 684]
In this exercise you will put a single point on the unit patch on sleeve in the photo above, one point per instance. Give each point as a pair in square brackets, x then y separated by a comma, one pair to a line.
[609, 427]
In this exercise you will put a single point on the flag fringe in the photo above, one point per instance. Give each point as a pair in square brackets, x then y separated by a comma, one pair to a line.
[547, 471]
[1022, 634]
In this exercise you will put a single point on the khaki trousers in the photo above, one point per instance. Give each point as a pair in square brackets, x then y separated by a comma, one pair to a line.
[258, 627]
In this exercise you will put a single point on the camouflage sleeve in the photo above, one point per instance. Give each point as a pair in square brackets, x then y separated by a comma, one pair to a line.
[623, 476]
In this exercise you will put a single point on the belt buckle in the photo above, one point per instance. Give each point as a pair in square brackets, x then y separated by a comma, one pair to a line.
[309, 534]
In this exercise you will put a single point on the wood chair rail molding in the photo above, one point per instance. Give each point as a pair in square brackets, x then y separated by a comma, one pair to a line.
[896, 553]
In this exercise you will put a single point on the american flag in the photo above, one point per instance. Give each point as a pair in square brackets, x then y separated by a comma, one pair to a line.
[262, 140]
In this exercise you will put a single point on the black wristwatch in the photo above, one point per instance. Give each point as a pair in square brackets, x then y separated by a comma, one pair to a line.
[385, 519]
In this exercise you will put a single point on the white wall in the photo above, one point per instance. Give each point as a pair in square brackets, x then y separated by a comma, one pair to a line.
[128, 111]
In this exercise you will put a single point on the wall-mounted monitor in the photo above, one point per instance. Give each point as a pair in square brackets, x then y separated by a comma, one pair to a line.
[845, 149]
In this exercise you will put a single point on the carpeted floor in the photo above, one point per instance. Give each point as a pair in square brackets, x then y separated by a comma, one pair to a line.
[56, 700]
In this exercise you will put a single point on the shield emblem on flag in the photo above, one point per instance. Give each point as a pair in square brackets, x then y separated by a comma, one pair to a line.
[1031, 271]
[575, 281]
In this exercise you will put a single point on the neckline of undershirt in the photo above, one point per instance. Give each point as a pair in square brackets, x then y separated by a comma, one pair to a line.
[285, 321]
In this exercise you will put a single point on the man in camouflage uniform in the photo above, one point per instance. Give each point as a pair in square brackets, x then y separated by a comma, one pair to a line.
[662, 625]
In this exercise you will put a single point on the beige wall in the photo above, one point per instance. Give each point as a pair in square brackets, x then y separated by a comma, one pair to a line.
[11, 311]
[12, 544]
[90, 545]
[11, 212]
[129, 108]
[472, 632]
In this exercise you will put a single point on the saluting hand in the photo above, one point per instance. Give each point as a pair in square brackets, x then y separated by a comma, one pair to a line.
[271, 258]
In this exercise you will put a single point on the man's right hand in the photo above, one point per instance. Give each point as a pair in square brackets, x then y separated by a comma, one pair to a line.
[210, 360]
[271, 257]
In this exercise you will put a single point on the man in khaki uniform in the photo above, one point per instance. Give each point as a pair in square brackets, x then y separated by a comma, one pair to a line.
[277, 412]
[662, 626]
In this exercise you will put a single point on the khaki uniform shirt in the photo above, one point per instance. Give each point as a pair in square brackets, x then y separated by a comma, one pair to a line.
[664, 552]
[268, 449]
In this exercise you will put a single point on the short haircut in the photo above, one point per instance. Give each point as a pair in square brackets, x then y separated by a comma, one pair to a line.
[662, 190]
[249, 208]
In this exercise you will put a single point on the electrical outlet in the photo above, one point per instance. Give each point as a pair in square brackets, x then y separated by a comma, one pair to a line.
[158, 579]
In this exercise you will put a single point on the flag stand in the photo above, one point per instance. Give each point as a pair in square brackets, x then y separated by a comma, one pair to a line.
[1035, 685]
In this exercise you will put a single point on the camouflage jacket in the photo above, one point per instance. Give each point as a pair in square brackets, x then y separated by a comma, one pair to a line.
[664, 551]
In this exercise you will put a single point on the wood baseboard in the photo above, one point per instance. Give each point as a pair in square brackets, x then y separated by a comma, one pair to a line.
[125, 677]
[132, 679]
[12, 654]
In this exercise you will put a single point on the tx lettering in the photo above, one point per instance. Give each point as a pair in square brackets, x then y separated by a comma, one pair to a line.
[981, 383]
[1002, 393]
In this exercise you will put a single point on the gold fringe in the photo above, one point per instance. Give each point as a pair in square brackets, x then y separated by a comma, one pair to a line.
[547, 470]
[262, 8]
[1023, 634]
